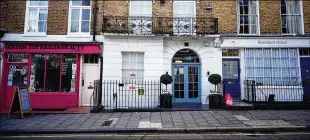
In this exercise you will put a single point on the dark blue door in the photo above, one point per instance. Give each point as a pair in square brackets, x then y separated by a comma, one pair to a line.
[305, 73]
[231, 77]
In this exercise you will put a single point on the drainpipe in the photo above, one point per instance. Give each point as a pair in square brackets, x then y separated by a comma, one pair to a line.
[100, 87]
[95, 21]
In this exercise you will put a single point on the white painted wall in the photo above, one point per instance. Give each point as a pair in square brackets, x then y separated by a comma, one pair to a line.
[210, 58]
[112, 56]
[157, 60]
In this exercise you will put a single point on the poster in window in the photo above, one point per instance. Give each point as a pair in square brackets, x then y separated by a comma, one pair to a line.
[132, 74]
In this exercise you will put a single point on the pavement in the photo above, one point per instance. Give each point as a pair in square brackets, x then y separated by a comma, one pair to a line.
[161, 122]
[162, 136]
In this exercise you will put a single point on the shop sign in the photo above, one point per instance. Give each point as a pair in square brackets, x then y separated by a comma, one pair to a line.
[55, 48]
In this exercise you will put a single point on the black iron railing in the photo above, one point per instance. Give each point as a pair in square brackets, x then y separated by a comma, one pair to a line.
[176, 26]
[276, 91]
[131, 95]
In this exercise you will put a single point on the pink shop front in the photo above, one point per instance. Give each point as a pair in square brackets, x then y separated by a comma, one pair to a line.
[52, 72]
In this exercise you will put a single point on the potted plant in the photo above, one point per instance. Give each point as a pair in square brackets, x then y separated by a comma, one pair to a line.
[165, 99]
[216, 100]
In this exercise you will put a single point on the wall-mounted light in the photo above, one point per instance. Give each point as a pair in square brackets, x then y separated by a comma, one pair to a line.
[209, 7]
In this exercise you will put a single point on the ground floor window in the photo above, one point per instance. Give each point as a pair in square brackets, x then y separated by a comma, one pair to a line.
[132, 66]
[53, 72]
[272, 66]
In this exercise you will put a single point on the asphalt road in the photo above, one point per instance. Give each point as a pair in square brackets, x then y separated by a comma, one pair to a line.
[94, 136]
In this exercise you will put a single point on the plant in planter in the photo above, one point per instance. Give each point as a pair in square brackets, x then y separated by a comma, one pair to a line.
[216, 100]
[166, 98]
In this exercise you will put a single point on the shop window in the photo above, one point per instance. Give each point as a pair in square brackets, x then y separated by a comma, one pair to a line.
[17, 75]
[15, 57]
[36, 16]
[80, 16]
[272, 66]
[91, 58]
[230, 52]
[304, 51]
[53, 73]
[68, 74]
[247, 17]
[132, 66]
[52, 79]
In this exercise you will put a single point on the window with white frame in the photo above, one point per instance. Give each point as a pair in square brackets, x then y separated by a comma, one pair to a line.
[291, 16]
[184, 13]
[272, 66]
[36, 16]
[140, 16]
[247, 17]
[141, 8]
[79, 21]
[132, 66]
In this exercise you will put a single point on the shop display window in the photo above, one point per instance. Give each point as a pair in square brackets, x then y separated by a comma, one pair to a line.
[53, 73]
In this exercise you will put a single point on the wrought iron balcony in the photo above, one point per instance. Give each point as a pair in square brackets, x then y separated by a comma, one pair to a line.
[177, 26]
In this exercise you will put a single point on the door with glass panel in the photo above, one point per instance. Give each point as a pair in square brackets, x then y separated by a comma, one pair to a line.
[186, 83]
[231, 77]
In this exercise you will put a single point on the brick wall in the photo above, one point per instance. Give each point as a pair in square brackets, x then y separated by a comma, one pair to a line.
[270, 18]
[306, 10]
[116, 8]
[100, 8]
[57, 23]
[16, 16]
[3, 15]
[224, 10]
[163, 14]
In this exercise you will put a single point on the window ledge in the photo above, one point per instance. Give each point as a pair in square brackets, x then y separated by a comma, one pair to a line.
[34, 35]
[78, 36]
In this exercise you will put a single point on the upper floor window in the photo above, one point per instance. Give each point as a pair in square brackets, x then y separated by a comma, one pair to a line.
[291, 16]
[247, 17]
[79, 21]
[36, 16]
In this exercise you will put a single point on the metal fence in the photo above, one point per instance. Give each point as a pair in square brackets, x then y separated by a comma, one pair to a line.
[278, 91]
[131, 95]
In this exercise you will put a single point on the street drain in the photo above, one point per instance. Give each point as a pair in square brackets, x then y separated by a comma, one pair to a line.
[107, 123]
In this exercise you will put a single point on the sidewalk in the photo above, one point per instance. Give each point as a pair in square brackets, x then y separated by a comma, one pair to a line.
[178, 121]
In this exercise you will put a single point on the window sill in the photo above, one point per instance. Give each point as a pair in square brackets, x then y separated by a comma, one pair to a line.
[34, 35]
[78, 36]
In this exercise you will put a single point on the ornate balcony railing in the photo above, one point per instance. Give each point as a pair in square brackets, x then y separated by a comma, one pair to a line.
[177, 26]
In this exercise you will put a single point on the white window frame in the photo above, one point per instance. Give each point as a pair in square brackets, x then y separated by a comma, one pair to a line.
[37, 33]
[258, 20]
[301, 18]
[136, 69]
[191, 17]
[141, 14]
[80, 19]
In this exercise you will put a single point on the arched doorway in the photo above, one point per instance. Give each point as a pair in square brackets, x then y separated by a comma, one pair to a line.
[186, 75]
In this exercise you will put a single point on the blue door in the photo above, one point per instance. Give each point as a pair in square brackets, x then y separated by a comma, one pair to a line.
[186, 83]
[305, 74]
[231, 78]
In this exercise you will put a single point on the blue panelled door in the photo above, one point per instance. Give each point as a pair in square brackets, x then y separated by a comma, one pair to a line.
[186, 83]
[231, 78]
[305, 73]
